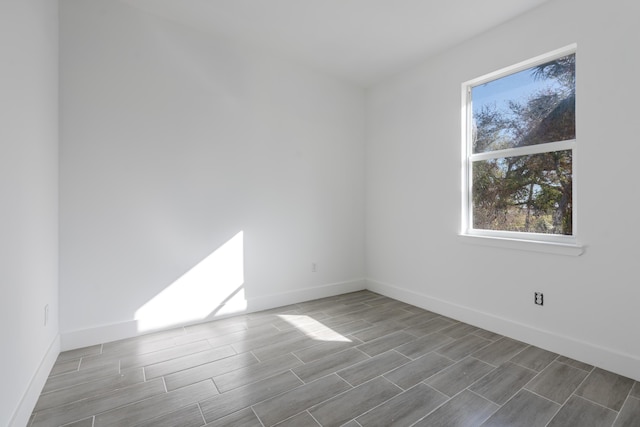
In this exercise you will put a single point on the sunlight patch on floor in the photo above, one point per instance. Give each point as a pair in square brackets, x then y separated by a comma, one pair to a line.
[313, 328]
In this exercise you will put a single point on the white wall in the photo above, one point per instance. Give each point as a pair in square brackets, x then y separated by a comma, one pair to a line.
[172, 142]
[413, 191]
[29, 194]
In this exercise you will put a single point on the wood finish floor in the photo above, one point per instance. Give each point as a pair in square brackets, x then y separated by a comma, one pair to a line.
[358, 359]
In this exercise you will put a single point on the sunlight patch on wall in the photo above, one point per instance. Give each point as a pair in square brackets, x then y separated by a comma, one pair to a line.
[313, 328]
[214, 286]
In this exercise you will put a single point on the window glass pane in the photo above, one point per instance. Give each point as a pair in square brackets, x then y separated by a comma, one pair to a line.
[533, 106]
[524, 193]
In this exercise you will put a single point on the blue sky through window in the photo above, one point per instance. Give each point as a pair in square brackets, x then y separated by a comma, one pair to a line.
[517, 87]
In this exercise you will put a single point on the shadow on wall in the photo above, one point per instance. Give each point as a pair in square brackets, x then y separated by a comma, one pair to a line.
[214, 286]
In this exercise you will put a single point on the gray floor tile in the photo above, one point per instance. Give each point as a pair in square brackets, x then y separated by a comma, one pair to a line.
[557, 382]
[186, 361]
[303, 419]
[404, 409]
[364, 295]
[323, 349]
[208, 370]
[347, 318]
[575, 363]
[421, 346]
[382, 313]
[635, 390]
[435, 325]
[418, 370]
[386, 343]
[80, 352]
[225, 325]
[188, 416]
[400, 312]
[283, 347]
[243, 418]
[209, 330]
[91, 389]
[242, 397]
[88, 407]
[321, 367]
[124, 349]
[629, 414]
[409, 318]
[393, 304]
[418, 310]
[451, 319]
[378, 330]
[80, 377]
[147, 359]
[487, 335]
[286, 405]
[353, 403]
[417, 319]
[318, 305]
[93, 363]
[525, 409]
[344, 323]
[156, 406]
[456, 378]
[378, 300]
[248, 334]
[579, 412]
[63, 367]
[268, 317]
[534, 358]
[500, 351]
[403, 306]
[465, 410]
[303, 323]
[458, 330]
[373, 367]
[463, 347]
[142, 344]
[255, 372]
[356, 296]
[338, 310]
[87, 422]
[273, 312]
[605, 388]
[265, 340]
[351, 327]
[502, 383]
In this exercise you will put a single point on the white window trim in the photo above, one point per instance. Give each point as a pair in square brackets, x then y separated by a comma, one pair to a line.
[553, 244]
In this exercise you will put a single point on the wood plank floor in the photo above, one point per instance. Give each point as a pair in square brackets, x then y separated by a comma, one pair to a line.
[358, 359]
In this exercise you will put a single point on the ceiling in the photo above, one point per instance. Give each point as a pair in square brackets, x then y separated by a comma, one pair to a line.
[359, 40]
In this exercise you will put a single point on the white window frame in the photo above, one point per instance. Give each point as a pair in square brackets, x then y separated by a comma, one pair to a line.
[539, 242]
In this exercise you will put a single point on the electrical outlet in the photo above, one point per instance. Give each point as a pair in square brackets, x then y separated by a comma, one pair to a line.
[46, 314]
[538, 298]
[314, 267]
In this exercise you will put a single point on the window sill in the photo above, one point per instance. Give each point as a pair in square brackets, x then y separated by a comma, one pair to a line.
[524, 245]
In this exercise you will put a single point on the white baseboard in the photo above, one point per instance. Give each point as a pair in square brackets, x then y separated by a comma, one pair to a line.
[605, 358]
[30, 398]
[306, 294]
[116, 331]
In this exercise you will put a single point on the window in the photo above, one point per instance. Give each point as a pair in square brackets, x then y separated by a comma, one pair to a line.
[519, 149]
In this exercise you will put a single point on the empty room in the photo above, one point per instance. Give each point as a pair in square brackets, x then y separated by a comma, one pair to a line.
[319, 213]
